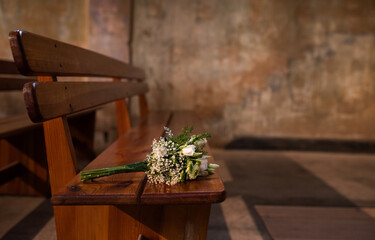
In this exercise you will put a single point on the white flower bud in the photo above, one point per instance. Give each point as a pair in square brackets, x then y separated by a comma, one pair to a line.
[188, 150]
[204, 165]
[201, 142]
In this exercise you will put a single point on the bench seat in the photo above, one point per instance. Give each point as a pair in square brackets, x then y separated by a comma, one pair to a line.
[133, 188]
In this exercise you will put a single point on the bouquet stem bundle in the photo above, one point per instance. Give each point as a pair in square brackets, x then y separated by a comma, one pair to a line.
[172, 160]
[97, 173]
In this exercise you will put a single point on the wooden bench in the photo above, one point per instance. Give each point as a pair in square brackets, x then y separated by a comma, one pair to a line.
[23, 162]
[123, 206]
[23, 165]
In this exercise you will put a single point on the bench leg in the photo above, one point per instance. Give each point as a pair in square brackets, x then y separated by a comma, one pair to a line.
[81, 222]
[31, 175]
[131, 221]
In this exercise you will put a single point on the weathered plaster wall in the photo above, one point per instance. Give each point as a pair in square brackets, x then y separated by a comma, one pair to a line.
[109, 35]
[64, 20]
[268, 68]
[102, 26]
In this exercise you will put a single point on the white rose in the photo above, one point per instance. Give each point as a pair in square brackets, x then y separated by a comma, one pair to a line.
[188, 150]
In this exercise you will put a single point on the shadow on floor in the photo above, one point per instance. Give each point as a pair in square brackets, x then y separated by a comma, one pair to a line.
[271, 178]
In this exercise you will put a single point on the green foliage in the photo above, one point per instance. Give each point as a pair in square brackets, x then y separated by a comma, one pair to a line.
[185, 136]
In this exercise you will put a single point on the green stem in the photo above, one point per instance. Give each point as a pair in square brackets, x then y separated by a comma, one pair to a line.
[133, 167]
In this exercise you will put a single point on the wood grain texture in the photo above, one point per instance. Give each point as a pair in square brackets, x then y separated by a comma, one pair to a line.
[127, 222]
[23, 141]
[122, 115]
[159, 221]
[11, 83]
[208, 189]
[60, 152]
[61, 158]
[35, 55]
[47, 100]
[131, 147]
[82, 222]
[127, 188]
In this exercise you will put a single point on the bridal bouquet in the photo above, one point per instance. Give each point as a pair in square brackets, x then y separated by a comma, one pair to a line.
[172, 160]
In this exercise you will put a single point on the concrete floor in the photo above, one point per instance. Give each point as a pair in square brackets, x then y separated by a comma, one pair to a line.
[251, 178]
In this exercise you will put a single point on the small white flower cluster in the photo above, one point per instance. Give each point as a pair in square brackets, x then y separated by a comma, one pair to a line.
[164, 166]
[168, 132]
[173, 160]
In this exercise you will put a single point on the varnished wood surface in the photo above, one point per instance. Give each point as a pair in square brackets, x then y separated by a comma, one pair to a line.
[47, 100]
[131, 147]
[62, 165]
[11, 83]
[61, 158]
[128, 188]
[35, 55]
[208, 189]
[159, 222]
[23, 141]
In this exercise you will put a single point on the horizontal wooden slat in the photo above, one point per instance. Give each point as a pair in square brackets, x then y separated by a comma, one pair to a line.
[47, 100]
[208, 189]
[8, 67]
[13, 83]
[35, 55]
[125, 188]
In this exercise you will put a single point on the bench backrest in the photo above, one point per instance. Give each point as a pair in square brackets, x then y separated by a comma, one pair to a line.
[49, 101]
[10, 77]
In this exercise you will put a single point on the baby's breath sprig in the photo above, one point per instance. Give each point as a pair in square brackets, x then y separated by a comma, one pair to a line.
[172, 160]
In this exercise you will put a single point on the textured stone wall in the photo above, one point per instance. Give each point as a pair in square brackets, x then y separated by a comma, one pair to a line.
[64, 20]
[109, 35]
[285, 68]
[102, 26]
